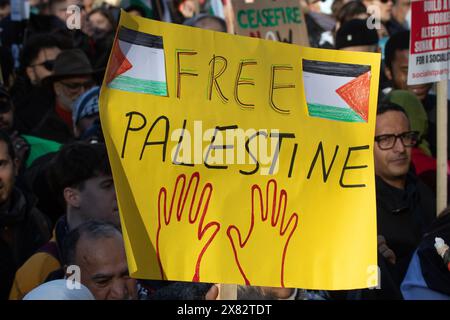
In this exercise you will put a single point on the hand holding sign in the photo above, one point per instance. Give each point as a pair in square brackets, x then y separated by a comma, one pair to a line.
[268, 224]
[184, 218]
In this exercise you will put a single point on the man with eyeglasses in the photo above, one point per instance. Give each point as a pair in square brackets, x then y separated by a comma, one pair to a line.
[72, 76]
[405, 205]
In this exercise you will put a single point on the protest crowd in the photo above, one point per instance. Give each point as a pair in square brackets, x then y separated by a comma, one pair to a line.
[58, 204]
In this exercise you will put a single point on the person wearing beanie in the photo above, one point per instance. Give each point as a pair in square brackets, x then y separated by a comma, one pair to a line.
[354, 35]
[85, 112]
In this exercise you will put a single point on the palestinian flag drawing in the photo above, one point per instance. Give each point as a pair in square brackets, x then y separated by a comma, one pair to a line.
[137, 63]
[337, 91]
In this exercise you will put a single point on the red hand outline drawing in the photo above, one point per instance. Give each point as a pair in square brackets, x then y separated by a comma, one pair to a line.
[194, 223]
[243, 248]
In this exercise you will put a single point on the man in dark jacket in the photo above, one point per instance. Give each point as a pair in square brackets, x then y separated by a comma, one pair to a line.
[31, 99]
[23, 228]
[72, 76]
[405, 206]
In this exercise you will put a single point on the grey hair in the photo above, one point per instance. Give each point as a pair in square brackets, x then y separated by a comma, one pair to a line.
[92, 229]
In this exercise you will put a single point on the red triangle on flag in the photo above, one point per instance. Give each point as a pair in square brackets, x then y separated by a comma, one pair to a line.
[118, 63]
[356, 94]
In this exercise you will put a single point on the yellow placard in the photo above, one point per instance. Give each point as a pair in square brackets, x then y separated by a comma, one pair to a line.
[240, 160]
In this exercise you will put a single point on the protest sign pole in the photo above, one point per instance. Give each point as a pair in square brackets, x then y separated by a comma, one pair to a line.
[424, 67]
[227, 292]
[229, 16]
[441, 134]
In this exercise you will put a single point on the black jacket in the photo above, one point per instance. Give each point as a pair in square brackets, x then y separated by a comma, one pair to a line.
[23, 230]
[52, 127]
[403, 216]
[31, 104]
[435, 272]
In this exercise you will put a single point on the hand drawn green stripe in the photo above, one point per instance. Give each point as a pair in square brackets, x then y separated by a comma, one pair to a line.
[138, 85]
[333, 113]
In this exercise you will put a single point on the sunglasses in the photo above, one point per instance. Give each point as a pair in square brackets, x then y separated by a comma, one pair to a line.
[387, 141]
[78, 85]
[48, 64]
[386, 1]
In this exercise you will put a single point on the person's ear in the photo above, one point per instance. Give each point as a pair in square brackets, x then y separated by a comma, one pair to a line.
[30, 73]
[388, 73]
[72, 197]
[76, 132]
[56, 87]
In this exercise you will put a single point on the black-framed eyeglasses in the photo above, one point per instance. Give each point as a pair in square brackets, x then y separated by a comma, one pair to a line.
[387, 141]
[78, 85]
[48, 64]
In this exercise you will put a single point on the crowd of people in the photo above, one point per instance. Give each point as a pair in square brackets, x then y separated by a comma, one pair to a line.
[58, 206]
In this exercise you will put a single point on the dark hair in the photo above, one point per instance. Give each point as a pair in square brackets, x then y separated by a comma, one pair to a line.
[390, 106]
[350, 10]
[182, 291]
[107, 14]
[137, 8]
[4, 136]
[34, 45]
[53, 2]
[92, 229]
[397, 42]
[336, 7]
[444, 213]
[75, 163]
[4, 3]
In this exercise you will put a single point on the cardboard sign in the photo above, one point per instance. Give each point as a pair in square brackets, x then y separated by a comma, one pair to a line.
[252, 165]
[429, 41]
[279, 20]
